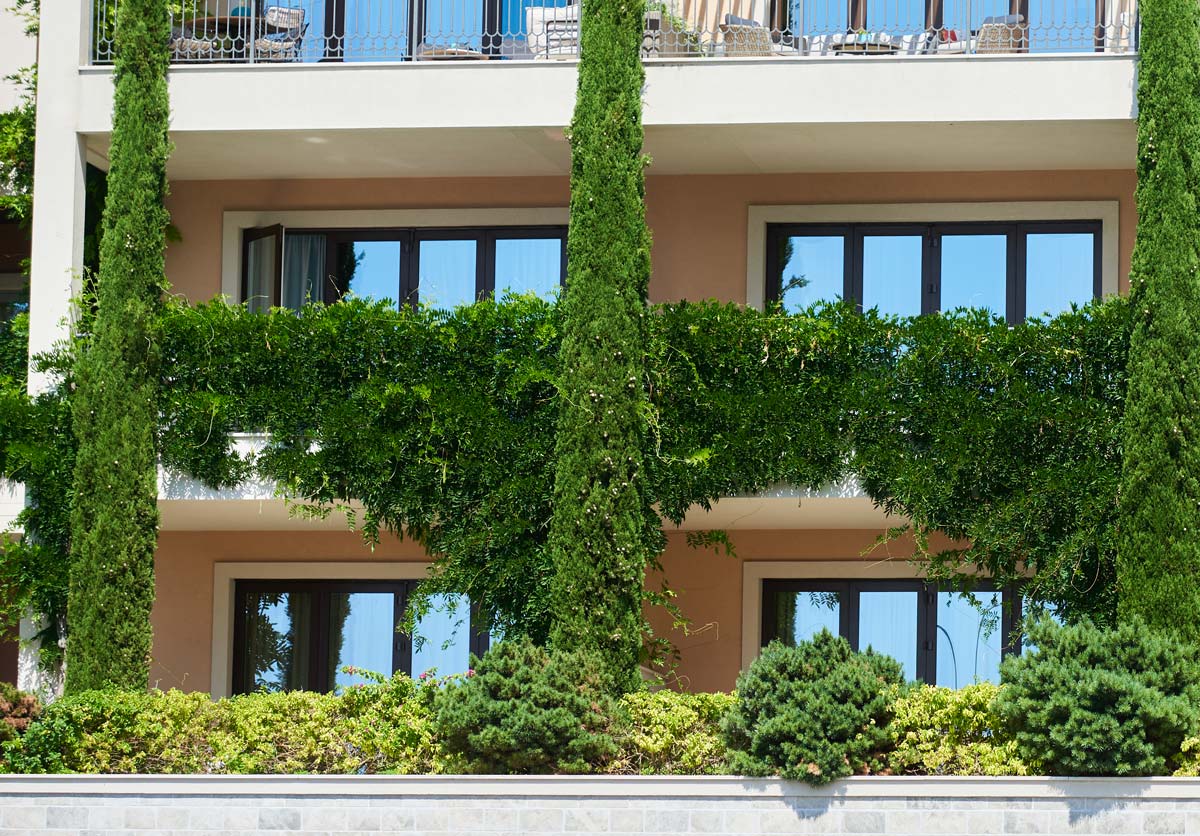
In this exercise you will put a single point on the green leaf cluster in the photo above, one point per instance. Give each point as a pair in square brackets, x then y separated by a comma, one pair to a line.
[114, 513]
[943, 731]
[603, 530]
[671, 733]
[1159, 545]
[381, 727]
[815, 712]
[525, 710]
[1093, 701]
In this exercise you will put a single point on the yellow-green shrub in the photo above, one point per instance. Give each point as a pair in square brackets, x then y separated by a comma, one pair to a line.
[383, 727]
[672, 733]
[941, 731]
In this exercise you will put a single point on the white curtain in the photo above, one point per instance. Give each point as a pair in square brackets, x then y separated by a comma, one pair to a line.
[303, 269]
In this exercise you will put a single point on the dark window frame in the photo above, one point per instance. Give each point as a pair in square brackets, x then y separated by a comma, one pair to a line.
[931, 234]
[319, 649]
[849, 609]
[410, 239]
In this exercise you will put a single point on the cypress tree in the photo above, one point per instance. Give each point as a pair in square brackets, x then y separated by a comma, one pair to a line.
[1158, 555]
[114, 517]
[604, 532]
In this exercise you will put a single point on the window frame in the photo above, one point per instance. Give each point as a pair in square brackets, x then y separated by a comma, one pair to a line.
[319, 649]
[410, 239]
[849, 610]
[932, 233]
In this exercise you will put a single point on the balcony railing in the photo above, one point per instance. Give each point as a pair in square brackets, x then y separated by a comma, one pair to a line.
[309, 31]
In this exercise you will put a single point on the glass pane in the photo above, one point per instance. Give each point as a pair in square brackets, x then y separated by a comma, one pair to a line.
[453, 24]
[896, 17]
[303, 269]
[370, 269]
[442, 642]
[892, 274]
[817, 17]
[528, 265]
[887, 622]
[278, 630]
[812, 269]
[975, 272]
[801, 615]
[1059, 270]
[260, 273]
[447, 273]
[969, 638]
[1062, 26]
[362, 631]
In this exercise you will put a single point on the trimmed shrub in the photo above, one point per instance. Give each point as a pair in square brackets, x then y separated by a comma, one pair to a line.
[1092, 701]
[383, 727]
[524, 710]
[941, 731]
[17, 710]
[814, 712]
[671, 733]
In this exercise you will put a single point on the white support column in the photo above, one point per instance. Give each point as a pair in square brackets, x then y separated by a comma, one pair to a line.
[58, 177]
[58, 219]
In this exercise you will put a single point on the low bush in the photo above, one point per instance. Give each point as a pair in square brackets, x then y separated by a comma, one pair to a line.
[672, 733]
[526, 710]
[814, 712]
[17, 710]
[1092, 701]
[381, 727]
[941, 731]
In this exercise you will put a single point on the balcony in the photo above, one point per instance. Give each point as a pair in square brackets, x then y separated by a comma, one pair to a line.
[245, 32]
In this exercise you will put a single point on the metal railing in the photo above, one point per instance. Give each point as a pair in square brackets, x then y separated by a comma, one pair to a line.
[307, 31]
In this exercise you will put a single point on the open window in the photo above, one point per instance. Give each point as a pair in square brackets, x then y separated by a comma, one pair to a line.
[262, 267]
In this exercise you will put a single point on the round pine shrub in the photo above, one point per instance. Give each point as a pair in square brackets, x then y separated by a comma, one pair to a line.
[524, 710]
[814, 712]
[1094, 701]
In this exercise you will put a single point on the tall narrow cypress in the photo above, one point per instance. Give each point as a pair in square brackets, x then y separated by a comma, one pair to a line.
[603, 531]
[114, 520]
[1158, 557]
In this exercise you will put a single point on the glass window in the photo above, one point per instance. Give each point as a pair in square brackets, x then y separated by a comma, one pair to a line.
[899, 619]
[278, 630]
[303, 269]
[447, 273]
[291, 635]
[442, 640]
[974, 272]
[969, 640]
[362, 630]
[1059, 271]
[896, 17]
[370, 269]
[892, 273]
[801, 615]
[812, 269]
[262, 269]
[887, 622]
[528, 265]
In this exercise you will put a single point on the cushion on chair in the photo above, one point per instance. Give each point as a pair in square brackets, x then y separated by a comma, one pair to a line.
[747, 41]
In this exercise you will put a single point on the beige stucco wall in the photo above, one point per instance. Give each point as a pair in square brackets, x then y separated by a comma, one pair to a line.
[183, 608]
[699, 222]
[708, 584]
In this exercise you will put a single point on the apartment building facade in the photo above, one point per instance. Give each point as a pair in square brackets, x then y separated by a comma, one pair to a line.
[912, 155]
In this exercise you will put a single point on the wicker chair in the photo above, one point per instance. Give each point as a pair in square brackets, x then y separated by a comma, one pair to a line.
[286, 28]
[185, 46]
[746, 38]
[1004, 34]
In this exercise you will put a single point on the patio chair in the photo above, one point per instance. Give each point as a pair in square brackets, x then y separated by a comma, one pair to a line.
[185, 46]
[285, 32]
[1001, 34]
[553, 31]
[746, 37]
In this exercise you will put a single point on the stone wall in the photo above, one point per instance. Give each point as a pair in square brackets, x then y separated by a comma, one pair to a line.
[210, 805]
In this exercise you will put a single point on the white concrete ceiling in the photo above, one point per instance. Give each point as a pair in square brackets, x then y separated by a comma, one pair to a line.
[740, 149]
